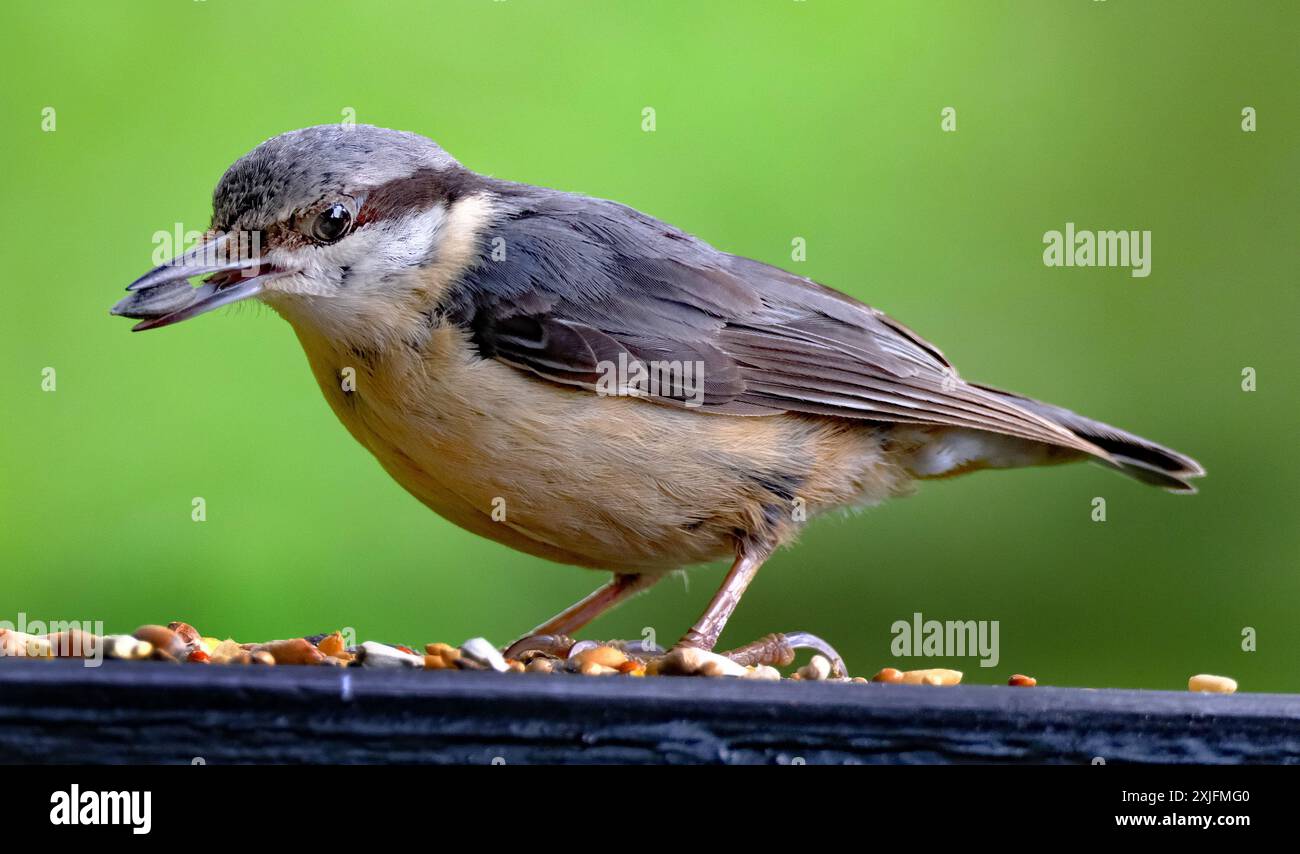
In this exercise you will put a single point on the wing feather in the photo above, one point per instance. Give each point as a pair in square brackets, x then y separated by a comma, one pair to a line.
[587, 281]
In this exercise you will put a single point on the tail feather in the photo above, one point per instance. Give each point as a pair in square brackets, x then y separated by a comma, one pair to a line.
[1132, 455]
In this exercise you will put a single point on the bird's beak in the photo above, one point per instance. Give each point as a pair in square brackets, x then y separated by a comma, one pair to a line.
[163, 296]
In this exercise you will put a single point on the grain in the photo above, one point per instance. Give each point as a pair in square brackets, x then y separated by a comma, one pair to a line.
[1212, 684]
[932, 676]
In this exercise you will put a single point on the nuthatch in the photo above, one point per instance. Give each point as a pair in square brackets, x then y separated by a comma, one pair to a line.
[498, 338]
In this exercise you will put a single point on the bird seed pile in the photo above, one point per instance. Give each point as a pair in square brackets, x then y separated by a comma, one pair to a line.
[181, 643]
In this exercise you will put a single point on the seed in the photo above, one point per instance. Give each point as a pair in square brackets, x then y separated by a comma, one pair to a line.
[712, 669]
[932, 676]
[167, 645]
[226, 650]
[689, 661]
[541, 665]
[73, 643]
[1212, 684]
[187, 634]
[443, 650]
[889, 675]
[294, 651]
[333, 645]
[591, 668]
[763, 672]
[21, 644]
[440, 662]
[156, 301]
[605, 656]
[514, 665]
[126, 648]
[816, 670]
[440, 656]
[261, 656]
[381, 655]
[1020, 680]
[484, 654]
[198, 656]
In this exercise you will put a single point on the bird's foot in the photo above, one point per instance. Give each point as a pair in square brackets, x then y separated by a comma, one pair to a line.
[775, 650]
[555, 646]
[563, 646]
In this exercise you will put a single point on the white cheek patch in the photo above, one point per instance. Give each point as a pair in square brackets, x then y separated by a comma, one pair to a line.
[375, 255]
[379, 252]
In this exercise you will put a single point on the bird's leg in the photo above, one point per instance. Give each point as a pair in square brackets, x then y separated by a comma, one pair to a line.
[592, 606]
[704, 634]
[553, 635]
[775, 649]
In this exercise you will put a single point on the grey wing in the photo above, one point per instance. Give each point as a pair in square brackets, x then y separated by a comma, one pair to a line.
[585, 281]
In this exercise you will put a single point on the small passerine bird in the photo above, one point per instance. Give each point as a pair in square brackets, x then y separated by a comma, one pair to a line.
[583, 382]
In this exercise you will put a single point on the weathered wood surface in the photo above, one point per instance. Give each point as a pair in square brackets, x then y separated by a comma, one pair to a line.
[61, 711]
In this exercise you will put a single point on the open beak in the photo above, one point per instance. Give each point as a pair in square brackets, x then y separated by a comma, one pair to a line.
[163, 296]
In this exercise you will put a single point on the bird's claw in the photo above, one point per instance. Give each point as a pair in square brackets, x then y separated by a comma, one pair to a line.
[557, 646]
[778, 650]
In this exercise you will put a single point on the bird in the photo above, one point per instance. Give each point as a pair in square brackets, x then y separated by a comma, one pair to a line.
[583, 382]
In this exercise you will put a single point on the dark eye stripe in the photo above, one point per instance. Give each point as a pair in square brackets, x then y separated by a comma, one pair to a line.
[418, 192]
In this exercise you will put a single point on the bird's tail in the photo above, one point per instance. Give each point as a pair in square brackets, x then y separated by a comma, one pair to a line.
[1136, 457]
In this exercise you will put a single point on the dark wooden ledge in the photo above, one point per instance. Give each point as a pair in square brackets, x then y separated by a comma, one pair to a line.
[61, 711]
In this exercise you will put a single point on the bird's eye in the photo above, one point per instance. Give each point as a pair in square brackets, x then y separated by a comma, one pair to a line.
[331, 224]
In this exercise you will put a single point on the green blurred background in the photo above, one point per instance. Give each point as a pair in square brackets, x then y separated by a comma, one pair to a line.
[774, 120]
